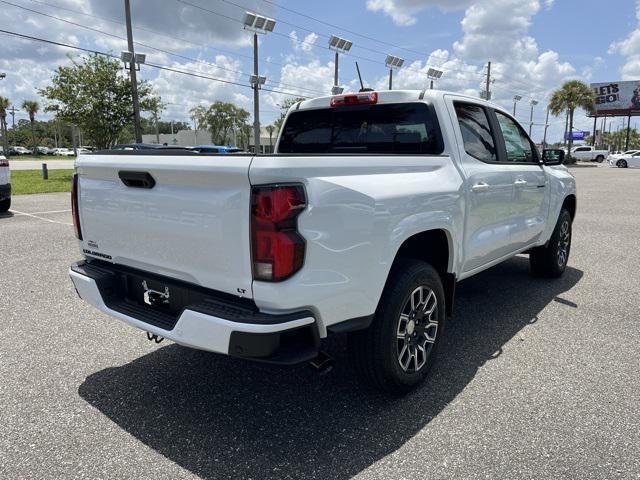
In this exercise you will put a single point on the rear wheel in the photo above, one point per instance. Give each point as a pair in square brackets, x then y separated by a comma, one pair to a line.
[397, 351]
[5, 205]
[551, 260]
[600, 158]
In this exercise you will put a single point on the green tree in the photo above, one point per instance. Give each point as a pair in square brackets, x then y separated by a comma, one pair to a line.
[270, 129]
[95, 95]
[156, 106]
[225, 119]
[4, 106]
[32, 107]
[284, 108]
[573, 94]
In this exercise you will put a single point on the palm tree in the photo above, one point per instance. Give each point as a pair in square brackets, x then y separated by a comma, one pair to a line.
[270, 129]
[32, 107]
[573, 94]
[4, 105]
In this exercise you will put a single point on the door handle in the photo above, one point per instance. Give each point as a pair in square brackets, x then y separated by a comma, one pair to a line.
[480, 187]
[520, 182]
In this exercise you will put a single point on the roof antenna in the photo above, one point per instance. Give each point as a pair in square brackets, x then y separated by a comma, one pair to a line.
[362, 88]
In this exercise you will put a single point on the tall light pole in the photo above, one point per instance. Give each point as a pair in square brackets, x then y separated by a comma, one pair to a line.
[132, 73]
[339, 45]
[393, 62]
[434, 74]
[533, 103]
[516, 99]
[257, 24]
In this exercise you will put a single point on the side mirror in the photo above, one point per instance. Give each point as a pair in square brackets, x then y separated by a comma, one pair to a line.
[553, 156]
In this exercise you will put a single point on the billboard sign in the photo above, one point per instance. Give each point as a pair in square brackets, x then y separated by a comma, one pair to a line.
[617, 98]
[576, 135]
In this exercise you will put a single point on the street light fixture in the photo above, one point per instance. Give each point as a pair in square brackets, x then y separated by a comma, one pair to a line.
[533, 103]
[133, 59]
[516, 99]
[393, 62]
[434, 74]
[257, 24]
[339, 45]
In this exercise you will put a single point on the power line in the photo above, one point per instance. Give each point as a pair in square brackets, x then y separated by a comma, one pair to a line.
[153, 65]
[167, 52]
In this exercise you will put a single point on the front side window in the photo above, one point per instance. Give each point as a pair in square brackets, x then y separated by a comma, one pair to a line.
[410, 128]
[519, 147]
[476, 132]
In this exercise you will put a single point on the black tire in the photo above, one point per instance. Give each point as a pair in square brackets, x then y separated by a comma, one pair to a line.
[375, 352]
[622, 164]
[551, 260]
[600, 158]
[5, 205]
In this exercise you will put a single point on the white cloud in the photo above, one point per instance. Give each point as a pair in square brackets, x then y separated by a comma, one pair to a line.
[402, 12]
[304, 45]
[629, 48]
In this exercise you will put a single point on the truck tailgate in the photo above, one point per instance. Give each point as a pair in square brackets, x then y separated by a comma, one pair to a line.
[190, 222]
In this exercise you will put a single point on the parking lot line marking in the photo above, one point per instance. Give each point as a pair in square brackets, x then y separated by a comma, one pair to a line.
[50, 211]
[40, 218]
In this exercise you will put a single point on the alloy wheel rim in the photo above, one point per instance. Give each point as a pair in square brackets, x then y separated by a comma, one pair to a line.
[563, 243]
[417, 329]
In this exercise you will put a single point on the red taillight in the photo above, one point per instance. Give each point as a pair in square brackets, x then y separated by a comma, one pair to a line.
[363, 98]
[277, 247]
[74, 207]
[4, 162]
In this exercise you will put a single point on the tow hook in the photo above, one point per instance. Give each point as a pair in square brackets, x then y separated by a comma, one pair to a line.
[152, 337]
[323, 363]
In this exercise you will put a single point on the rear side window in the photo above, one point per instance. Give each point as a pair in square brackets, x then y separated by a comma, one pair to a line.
[519, 147]
[476, 132]
[385, 128]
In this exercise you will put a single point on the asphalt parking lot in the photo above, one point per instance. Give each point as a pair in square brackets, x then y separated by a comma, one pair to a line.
[537, 378]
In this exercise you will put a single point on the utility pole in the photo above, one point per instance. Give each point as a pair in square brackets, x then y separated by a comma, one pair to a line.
[533, 103]
[487, 91]
[626, 143]
[12, 111]
[593, 136]
[256, 96]
[546, 127]
[132, 73]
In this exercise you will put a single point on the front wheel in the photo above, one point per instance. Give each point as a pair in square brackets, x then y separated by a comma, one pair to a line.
[397, 351]
[550, 261]
[622, 164]
[5, 205]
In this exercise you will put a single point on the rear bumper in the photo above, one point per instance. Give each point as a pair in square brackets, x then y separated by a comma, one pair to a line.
[5, 191]
[206, 320]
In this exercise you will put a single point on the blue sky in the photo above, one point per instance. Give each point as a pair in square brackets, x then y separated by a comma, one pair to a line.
[534, 46]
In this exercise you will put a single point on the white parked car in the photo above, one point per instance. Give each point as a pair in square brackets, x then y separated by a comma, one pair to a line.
[371, 209]
[614, 157]
[5, 185]
[625, 161]
[66, 152]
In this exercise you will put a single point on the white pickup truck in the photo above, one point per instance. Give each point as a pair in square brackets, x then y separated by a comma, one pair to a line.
[374, 205]
[590, 154]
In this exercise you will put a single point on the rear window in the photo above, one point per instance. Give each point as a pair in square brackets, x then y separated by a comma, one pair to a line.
[385, 128]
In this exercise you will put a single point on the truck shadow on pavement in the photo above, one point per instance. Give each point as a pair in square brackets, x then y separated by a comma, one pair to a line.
[225, 418]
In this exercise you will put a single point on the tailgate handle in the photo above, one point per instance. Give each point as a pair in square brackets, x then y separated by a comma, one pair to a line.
[137, 179]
